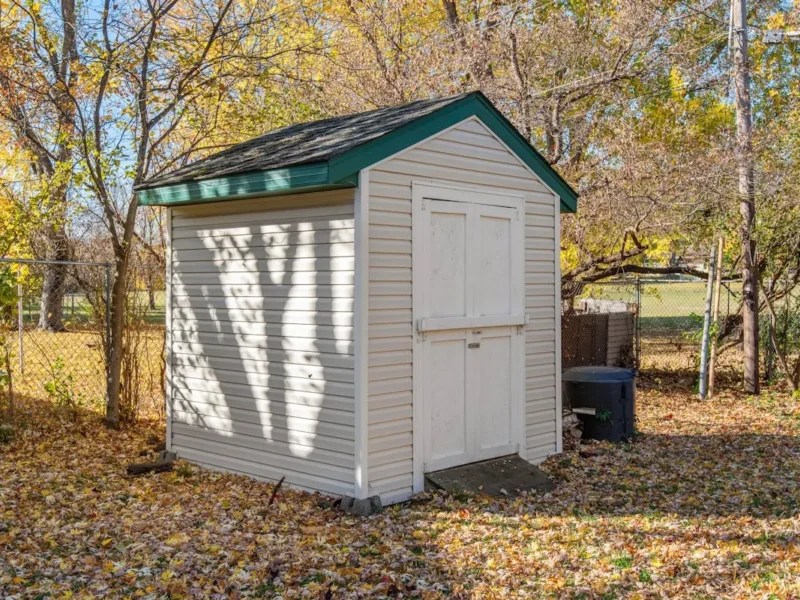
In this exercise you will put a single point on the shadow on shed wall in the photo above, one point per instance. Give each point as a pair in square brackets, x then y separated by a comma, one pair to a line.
[263, 366]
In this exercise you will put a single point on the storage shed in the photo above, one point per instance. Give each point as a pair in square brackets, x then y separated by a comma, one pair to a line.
[357, 301]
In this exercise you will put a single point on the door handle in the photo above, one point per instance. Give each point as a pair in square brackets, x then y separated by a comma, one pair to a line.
[474, 345]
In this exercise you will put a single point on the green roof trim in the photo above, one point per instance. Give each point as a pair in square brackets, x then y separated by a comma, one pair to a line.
[299, 178]
[342, 171]
[475, 104]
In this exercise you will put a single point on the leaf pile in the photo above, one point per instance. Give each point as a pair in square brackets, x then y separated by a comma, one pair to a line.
[704, 504]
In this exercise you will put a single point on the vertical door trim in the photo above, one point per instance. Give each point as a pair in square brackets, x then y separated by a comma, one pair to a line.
[361, 338]
[418, 296]
[419, 254]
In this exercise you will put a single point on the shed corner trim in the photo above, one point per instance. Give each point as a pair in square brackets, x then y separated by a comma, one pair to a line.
[361, 336]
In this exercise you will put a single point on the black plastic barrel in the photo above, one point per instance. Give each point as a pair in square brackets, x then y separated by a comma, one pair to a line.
[604, 400]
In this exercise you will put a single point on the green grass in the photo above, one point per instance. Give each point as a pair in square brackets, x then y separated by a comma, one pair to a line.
[77, 309]
[672, 307]
[623, 562]
[659, 299]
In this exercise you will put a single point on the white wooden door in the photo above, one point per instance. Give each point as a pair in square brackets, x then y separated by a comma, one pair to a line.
[468, 306]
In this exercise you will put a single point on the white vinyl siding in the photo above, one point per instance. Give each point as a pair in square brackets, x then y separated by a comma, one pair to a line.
[466, 155]
[262, 367]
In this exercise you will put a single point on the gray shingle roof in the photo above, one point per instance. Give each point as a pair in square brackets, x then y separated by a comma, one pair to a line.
[303, 143]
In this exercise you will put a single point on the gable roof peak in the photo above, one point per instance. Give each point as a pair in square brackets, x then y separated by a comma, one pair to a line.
[331, 152]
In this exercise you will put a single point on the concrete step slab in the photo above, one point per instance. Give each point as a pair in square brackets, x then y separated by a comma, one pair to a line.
[507, 476]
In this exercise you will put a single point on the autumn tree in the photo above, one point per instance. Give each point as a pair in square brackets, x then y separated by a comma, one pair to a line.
[629, 101]
[39, 72]
[626, 100]
[158, 83]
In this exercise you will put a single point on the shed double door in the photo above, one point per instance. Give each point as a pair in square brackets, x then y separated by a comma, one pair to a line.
[469, 320]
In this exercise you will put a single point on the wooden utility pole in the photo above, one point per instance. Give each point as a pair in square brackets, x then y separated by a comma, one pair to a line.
[747, 207]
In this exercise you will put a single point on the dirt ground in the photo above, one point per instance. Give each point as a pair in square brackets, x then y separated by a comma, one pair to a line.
[705, 503]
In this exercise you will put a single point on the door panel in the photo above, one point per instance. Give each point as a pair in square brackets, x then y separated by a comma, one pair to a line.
[448, 260]
[494, 408]
[446, 418]
[494, 265]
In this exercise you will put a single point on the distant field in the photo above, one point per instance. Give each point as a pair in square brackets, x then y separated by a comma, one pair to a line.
[78, 310]
[671, 322]
[666, 308]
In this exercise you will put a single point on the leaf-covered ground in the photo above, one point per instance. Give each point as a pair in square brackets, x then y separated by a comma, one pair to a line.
[705, 504]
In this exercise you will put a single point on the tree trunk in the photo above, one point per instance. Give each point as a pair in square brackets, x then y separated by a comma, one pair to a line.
[52, 301]
[747, 207]
[151, 296]
[55, 278]
[114, 367]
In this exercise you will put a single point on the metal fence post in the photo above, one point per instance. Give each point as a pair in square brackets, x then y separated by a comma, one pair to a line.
[638, 323]
[771, 334]
[21, 321]
[108, 318]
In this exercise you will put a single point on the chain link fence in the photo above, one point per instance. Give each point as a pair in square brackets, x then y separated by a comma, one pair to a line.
[55, 348]
[657, 324]
[785, 328]
[671, 324]
[144, 359]
[54, 326]
[54, 331]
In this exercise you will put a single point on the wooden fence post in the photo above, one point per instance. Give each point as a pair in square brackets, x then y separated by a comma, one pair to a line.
[707, 326]
[712, 367]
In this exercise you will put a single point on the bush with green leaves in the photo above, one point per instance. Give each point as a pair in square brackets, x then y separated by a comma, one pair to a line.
[61, 387]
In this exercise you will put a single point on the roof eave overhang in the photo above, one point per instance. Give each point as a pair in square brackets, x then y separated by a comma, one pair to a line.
[342, 171]
[291, 180]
